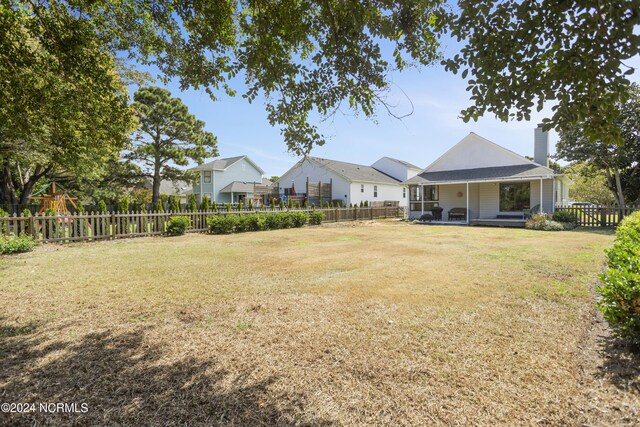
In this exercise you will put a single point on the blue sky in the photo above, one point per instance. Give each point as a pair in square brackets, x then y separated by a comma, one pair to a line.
[433, 128]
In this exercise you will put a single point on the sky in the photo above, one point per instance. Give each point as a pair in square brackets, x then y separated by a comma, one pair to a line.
[433, 127]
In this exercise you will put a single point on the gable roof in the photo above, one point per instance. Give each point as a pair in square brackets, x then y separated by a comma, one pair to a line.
[403, 163]
[475, 152]
[223, 164]
[355, 173]
[239, 187]
[498, 173]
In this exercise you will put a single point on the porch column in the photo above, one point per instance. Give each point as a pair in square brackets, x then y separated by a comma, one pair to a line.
[553, 194]
[467, 202]
[421, 195]
[540, 195]
[232, 197]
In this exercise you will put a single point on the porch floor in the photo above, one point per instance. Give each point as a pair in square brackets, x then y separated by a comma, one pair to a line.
[499, 222]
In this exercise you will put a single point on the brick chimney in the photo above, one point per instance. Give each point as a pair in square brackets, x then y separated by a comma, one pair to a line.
[541, 146]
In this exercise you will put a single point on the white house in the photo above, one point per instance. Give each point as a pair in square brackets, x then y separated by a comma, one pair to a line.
[314, 178]
[229, 180]
[482, 181]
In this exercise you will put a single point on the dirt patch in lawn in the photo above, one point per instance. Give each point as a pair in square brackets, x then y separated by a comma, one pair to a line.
[377, 324]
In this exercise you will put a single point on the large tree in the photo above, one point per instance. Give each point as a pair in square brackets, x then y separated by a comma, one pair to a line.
[63, 108]
[308, 58]
[589, 185]
[168, 136]
[519, 54]
[620, 162]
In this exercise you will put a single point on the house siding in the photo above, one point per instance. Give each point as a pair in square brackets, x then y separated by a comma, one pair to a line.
[315, 173]
[242, 171]
[385, 193]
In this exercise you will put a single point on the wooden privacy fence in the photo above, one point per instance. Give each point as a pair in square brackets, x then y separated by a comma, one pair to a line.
[109, 226]
[599, 216]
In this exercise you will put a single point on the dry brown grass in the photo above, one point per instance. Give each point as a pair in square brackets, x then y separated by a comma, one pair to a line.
[350, 324]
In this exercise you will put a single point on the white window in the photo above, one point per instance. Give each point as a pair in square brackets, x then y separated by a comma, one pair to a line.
[362, 188]
[375, 191]
[207, 177]
[404, 192]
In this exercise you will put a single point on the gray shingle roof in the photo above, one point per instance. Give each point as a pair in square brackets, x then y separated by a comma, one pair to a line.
[483, 174]
[239, 187]
[402, 162]
[356, 173]
[218, 164]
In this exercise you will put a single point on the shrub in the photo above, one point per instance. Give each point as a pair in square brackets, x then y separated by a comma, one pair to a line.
[16, 244]
[281, 205]
[620, 288]
[297, 204]
[305, 205]
[240, 206]
[205, 205]
[178, 225]
[3, 213]
[214, 206]
[250, 205]
[192, 204]
[540, 221]
[222, 224]
[289, 204]
[242, 223]
[123, 205]
[361, 204]
[366, 203]
[299, 219]
[565, 216]
[272, 222]
[228, 207]
[256, 222]
[102, 207]
[316, 218]
[286, 220]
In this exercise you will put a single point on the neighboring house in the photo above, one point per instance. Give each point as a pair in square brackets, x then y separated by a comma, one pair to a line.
[314, 178]
[181, 189]
[229, 180]
[399, 169]
[489, 181]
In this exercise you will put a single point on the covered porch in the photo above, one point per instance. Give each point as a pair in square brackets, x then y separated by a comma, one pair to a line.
[499, 202]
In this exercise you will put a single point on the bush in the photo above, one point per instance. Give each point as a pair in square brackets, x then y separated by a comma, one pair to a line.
[14, 245]
[565, 216]
[192, 204]
[123, 205]
[222, 224]
[541, 221]
[205, 205]
[620, 288]
[178, 225]
[299, 219]
[316, 218]
[102, 207]
[242, 223]
[256, 222]
[272, 222]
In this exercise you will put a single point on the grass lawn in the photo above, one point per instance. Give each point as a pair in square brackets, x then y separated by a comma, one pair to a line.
[381, 323]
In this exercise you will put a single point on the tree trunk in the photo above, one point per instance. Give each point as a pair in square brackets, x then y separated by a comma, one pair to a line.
[7, 190]
[156, 186]
[27, 187]
[621, 201]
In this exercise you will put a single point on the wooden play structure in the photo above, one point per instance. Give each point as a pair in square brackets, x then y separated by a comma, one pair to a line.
[56, 201]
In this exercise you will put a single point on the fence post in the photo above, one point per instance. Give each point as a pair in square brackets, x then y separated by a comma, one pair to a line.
[32, 227]
[112, 225]
[603, 216]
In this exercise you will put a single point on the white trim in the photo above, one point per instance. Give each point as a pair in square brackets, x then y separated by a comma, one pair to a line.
[477, 137]
[541, 205]
[467, 203]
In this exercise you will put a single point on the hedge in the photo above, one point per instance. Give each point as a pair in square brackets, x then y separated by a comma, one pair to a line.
[620, 288]
[224, 224]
